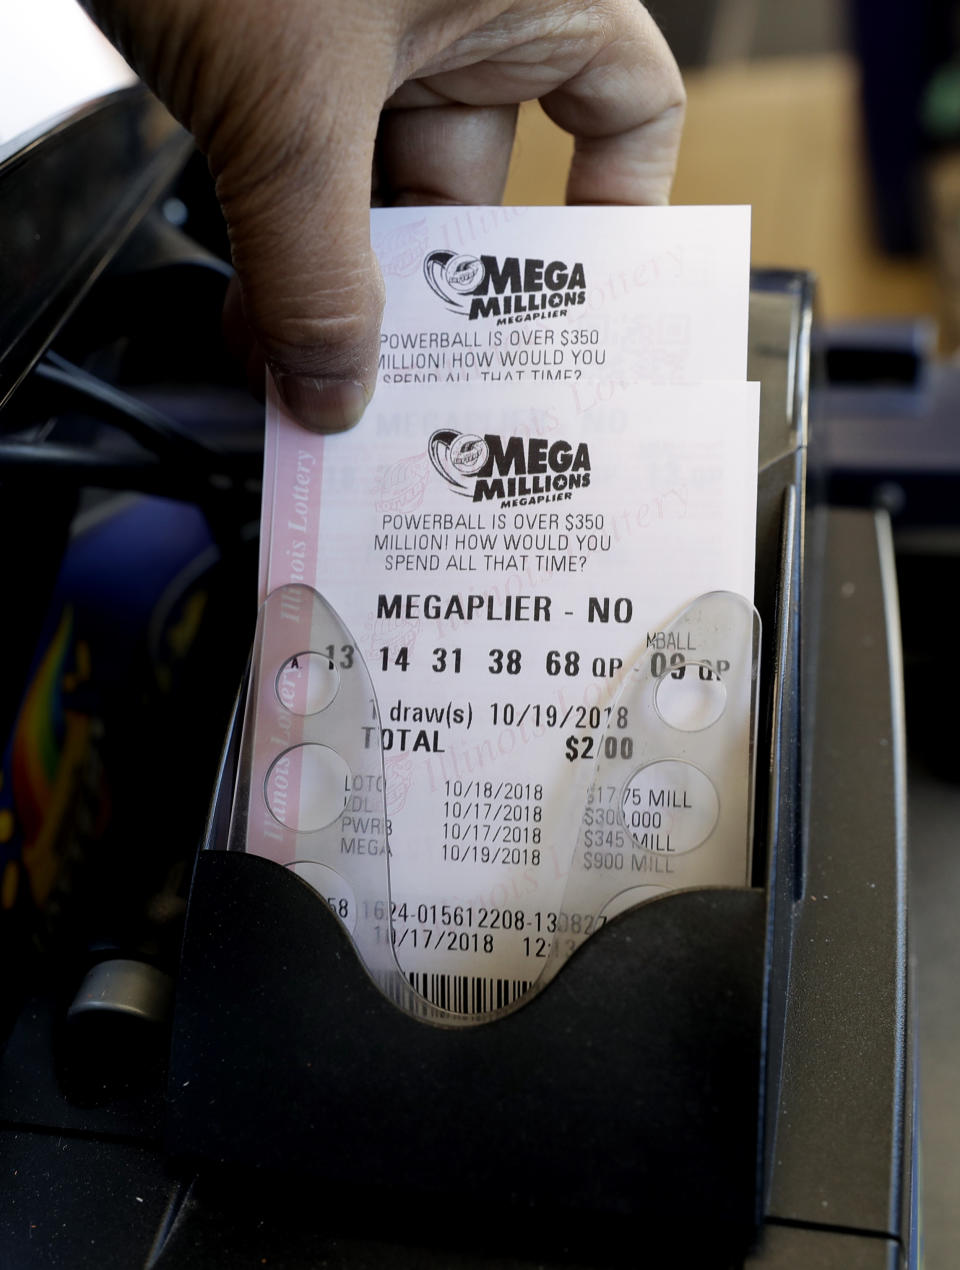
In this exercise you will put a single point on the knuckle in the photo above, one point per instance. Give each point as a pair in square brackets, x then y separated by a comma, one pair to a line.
[322, 338]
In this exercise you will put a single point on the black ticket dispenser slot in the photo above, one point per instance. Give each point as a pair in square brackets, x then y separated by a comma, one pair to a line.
[622, 1109]
[627, 1087]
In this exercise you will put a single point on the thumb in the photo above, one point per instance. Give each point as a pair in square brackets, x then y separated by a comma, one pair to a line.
[296, 197]
[284, 101]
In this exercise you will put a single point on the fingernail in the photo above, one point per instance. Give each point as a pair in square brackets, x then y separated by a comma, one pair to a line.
[323, 405]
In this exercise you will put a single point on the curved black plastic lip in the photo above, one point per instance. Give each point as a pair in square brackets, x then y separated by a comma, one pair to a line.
[69, 199]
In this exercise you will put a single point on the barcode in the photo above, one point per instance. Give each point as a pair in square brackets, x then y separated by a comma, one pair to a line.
[468, 994]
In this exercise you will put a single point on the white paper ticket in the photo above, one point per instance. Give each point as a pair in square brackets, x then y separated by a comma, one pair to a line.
[561, 456]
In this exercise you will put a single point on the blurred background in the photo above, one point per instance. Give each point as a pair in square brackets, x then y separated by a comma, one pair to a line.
[839, 122]
[834, 119]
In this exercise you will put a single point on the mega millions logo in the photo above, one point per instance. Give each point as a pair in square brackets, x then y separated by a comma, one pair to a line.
[514, 471]
[509, 289]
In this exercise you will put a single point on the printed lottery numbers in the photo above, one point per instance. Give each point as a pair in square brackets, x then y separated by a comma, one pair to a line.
[504, 660]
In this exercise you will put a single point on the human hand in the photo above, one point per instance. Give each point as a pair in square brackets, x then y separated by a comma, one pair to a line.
[296, 102]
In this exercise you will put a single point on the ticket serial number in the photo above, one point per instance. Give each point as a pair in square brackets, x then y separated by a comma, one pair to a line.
[481, 918]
